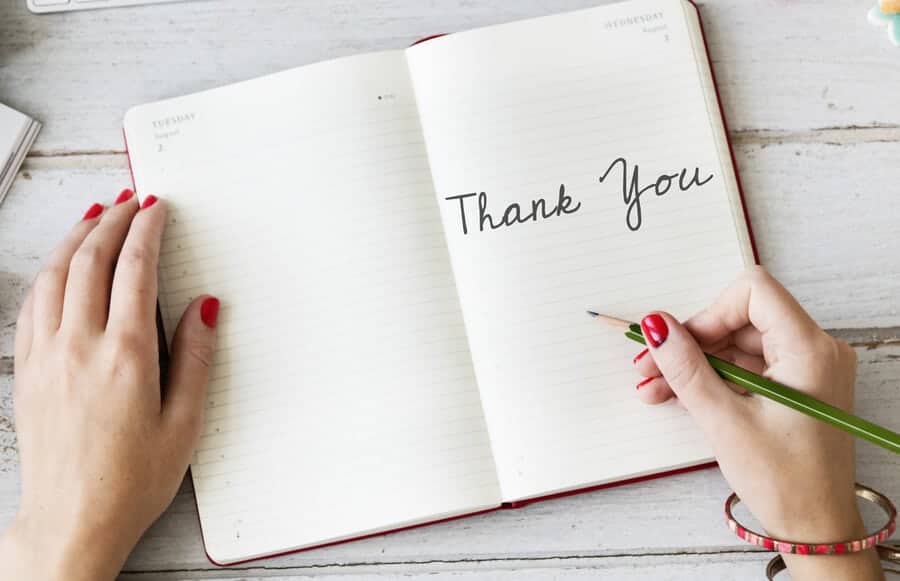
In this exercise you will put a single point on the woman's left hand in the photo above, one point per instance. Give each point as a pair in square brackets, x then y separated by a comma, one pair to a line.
[102, 448]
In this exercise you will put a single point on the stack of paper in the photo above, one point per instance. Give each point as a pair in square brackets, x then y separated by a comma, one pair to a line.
[17, 133]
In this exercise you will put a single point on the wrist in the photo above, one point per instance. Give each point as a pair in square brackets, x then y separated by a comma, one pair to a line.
[840, 523]
[828, 521]
[862, 566]
[29, 550]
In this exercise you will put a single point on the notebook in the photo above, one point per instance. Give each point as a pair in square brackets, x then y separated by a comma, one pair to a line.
[17, 133]
[405, 244]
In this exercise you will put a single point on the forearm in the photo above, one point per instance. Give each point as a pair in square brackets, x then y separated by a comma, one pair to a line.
[28, 552]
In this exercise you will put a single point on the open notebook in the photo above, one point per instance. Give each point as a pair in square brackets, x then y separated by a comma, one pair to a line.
[405, 244]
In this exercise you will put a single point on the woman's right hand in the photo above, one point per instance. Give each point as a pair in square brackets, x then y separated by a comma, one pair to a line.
[795, 474]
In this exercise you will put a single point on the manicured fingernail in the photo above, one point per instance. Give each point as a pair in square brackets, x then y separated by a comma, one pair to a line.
[640, 356]
[148, 201]
[655, 329]
[124, 196]
[209, 312]
[93, 212]
[643, 383]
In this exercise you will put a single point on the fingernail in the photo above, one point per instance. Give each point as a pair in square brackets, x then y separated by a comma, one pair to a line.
[643, 383]
[209, 312]
[124, 196]
[640, 356]
[148, 201]
[93, 212]
[655, 329]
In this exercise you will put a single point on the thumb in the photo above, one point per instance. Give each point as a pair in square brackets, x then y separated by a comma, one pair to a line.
[192, 353]
[684, 366]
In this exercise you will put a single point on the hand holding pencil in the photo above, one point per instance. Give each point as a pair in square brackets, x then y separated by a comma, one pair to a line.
[795, 473]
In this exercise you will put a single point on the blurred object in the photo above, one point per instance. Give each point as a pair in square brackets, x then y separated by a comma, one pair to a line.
[17, 133]
[43, 6]
[887, 13]
[890, 6]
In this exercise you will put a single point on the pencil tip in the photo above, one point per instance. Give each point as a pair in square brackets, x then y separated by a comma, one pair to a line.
[613, 321]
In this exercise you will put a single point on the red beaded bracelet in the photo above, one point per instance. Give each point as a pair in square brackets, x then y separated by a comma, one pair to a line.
[852, 546]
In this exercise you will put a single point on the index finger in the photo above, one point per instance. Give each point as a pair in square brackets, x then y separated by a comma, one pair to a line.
[134, 289]
[755, 299]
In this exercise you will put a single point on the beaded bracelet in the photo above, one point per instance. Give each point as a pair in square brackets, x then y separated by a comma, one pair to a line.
[851, 546]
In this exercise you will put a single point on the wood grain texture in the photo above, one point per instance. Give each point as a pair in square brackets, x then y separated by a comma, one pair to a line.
[802, 65]
[722, 567]
[672, 516]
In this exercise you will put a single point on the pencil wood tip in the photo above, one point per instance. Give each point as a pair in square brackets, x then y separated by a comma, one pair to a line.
[612, 321]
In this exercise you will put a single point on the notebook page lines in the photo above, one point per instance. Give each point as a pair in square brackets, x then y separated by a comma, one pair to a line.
[557, 388]
[343, 312]
[366, 321]
[343, 372]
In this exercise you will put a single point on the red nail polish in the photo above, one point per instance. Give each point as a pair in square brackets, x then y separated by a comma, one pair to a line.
[640, 355]
[93, 212]
[655, 329]
[644, 382]
[124, 196]
[148, 201]
[209, 312]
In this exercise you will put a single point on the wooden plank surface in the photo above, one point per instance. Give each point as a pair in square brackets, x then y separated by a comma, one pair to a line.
[791, 66]
[809, 90]
[680, 515]
[722, 567]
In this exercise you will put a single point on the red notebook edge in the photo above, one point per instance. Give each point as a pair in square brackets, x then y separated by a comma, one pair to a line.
[521, 503]
[504, 506]
[596, 487]
[354, 539]
[734, 165]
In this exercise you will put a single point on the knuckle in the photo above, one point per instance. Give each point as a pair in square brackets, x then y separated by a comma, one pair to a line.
[190, 420]
[89, 256]
[130, 346]
[47, 279]
[833, 353]
[684, 373]
[847, 353]
[72, 349]
[135, 257]
[133, 358]
[840, 360]
[201, 352]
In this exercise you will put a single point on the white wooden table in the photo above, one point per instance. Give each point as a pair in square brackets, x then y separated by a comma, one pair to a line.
[812, 95]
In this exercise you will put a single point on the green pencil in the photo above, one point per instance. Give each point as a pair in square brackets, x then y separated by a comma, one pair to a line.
[783, 394]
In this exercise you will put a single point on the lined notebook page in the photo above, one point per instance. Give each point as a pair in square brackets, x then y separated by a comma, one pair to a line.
[343, 398]
[517, 110]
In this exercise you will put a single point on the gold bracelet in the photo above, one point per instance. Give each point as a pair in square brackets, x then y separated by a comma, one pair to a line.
[887, 553]
[804, 548]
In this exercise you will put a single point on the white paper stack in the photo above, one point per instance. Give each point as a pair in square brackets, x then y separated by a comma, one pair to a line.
[17, 133]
